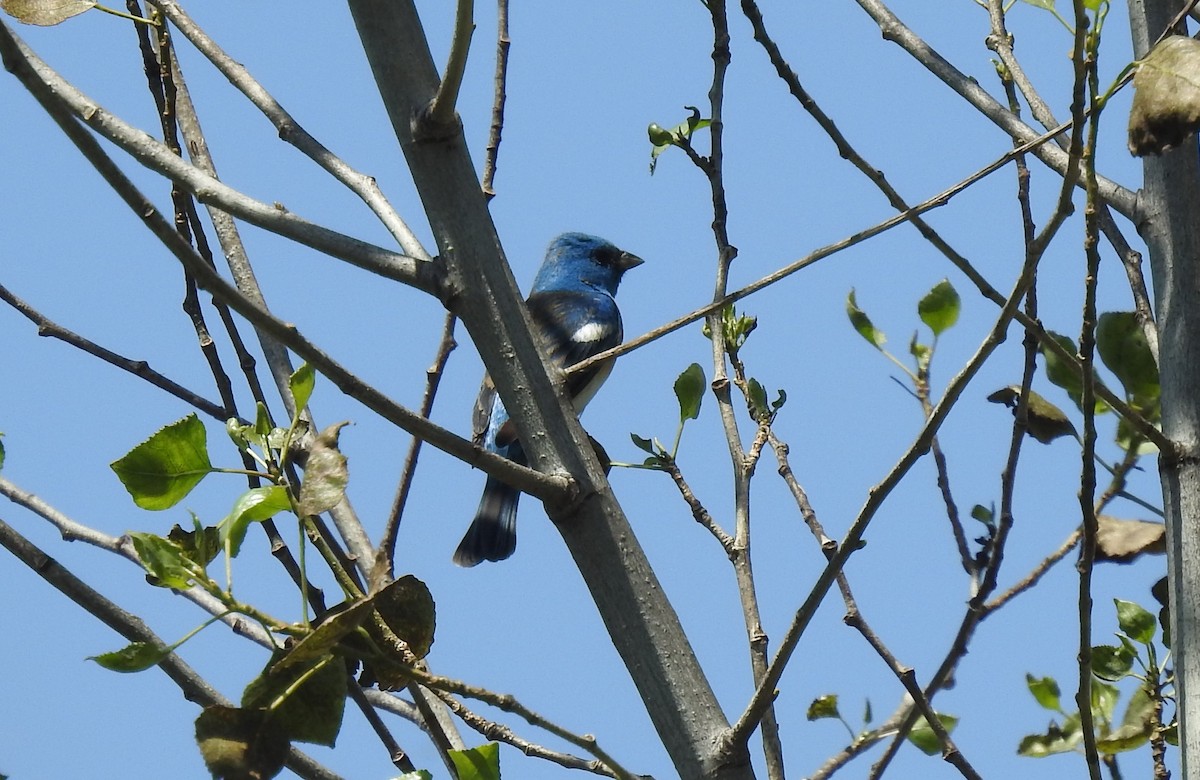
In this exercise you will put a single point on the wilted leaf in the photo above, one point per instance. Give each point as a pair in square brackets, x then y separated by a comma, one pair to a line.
[334, 626]
[45, 13]
[479, 763]
[134, 657]
[1057, 739]
[1044, 421]
[407, 607]
[160, 471]
[1046, 691]
[689, 390]
[164, 560]
[242, 744]
[1166, 96]
[862, 323]
[312, 710]
[940, 307]
[200, 545]
[824, 707]
[922, 734]
[1121, 541]
[325, 473]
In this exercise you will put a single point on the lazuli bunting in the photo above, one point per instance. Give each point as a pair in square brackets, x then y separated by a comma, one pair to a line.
[574, 316]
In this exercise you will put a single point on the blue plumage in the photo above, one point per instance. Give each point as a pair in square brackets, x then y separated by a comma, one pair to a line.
[574, 315]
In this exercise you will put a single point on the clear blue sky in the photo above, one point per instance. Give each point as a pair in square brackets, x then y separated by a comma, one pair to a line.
[584, 81]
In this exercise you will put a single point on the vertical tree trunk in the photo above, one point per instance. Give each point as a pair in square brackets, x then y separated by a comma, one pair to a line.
[641, 622]
[1170, 207]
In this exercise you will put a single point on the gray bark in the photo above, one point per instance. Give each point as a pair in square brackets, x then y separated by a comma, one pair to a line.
[1170, 203]
[481, 291]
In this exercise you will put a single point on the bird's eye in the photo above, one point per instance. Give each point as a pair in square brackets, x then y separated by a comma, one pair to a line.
[607, 255]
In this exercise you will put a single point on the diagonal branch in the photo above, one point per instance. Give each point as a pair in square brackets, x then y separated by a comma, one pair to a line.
[50, 89]
[292, 132]
[194, 687]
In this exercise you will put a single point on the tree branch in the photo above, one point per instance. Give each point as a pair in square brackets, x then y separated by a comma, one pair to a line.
[51, 89]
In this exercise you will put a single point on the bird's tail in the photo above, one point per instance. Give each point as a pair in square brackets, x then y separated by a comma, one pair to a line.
[493, 533]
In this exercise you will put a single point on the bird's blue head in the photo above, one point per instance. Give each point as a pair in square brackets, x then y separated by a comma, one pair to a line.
[578, 259]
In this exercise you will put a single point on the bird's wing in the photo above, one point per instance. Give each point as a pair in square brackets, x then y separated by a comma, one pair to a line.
[573, 326]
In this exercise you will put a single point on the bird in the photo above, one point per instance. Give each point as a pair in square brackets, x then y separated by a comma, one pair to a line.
[574, 314]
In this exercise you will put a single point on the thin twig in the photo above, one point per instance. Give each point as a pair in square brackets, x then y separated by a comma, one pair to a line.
[509, 703]
[386, 553]
[503, 43]
[290, 130]
[51, 89]
[441, 111]
[139, 368]
[128, 625]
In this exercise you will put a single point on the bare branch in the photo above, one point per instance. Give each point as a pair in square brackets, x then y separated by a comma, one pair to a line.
[193, 686]
[51, 89]
[291, 131]
[138, 368]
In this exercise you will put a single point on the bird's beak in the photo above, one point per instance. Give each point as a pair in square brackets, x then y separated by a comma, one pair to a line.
[627, 261]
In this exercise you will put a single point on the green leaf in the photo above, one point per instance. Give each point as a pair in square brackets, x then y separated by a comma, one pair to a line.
[253, 506]
[160, 471]
[1135, 622]
[1, 450]
[164, 560]
[420, 774]
[1046, 4]
[689, 389]
[985, 515]
[1064, 375]
[1104, 701]
[862, 323]
[311, 698]
[1135, 728]
[479, 763]
[1057, 739]
[238, 743]
[1122, 346]
[134, 657]
[1110, 662]
[1046, 691]
[662, 139]
[325, 473]
[736, 328]
[940, 307]
[922, 352]
[867, 717]
[922, 734]
[645, 445]
[262, 421]
[302, 381]
[824, 707]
